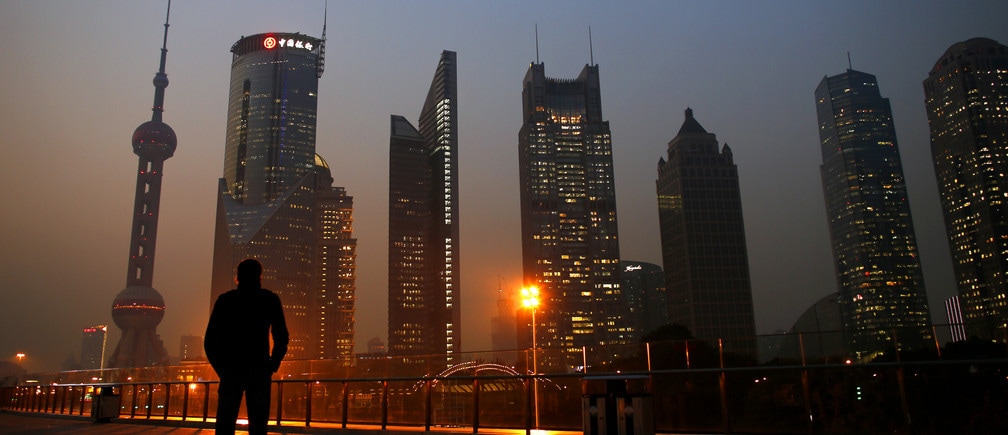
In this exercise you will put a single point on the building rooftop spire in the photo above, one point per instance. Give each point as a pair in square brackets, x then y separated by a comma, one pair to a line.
[690, 125]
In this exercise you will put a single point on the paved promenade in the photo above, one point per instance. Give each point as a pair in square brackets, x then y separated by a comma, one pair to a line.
[27, 423]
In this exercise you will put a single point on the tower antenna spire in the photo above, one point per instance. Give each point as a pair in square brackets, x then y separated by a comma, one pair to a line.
[320, 65]
[591, 49]
[160, 78]
[537, 41]
[849, 64]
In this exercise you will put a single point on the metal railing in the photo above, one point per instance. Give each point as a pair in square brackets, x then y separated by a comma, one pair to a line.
[687, 385]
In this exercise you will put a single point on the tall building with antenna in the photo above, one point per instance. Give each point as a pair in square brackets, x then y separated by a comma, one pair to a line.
[570, 242]
[882, 299]
[139, 308]
[276, 202]
[424, 303]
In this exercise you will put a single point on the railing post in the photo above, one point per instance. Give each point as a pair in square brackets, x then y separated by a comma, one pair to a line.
[901, 382]
[185, 400]
[805, 384]
[133, 406]
[346, 404]
[934, 334]
[308, 400]
[476, 394]
[150, 400]
[428, 408]
[167, 400]
[63, 399]
[279, 408]
[384, 405]
[83, 396]
[722, 383]
[528, 404]
[206, 400]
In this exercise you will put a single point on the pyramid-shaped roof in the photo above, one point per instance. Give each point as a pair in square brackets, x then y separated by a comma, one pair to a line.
[690, 125]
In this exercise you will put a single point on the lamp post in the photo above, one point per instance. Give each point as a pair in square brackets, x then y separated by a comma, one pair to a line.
[20, 357]
[530, 300]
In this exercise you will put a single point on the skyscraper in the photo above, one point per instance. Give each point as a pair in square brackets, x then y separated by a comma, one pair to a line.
[336, 268]
[966, 97]
[570, 242]
[643, 287]
[275, 201]
[424, 311]
[503, 329]
[93, 347]
[703, 239]
[138, 309]
[879, 281]
[191, 348]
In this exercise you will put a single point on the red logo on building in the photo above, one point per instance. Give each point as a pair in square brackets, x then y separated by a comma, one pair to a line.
[269, 42]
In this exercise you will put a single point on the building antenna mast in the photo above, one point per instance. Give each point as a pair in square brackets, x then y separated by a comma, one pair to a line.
[591, 49]
[160, 78]
[537, 41]
[849, 64]
[320, 66]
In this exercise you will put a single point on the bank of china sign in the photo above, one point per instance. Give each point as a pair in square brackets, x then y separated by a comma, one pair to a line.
[271, 42]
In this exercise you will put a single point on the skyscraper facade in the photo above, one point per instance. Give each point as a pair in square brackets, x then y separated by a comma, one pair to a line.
[570, 242]
[275, 202]
[966, 97]
[93, 347]
[643, 287]
[424, 311]
[703, 241]
[880, 285]
[191, 348]
[139, 308]
[335, 267]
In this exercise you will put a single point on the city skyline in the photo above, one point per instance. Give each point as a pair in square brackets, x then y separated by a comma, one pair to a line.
[68, 112]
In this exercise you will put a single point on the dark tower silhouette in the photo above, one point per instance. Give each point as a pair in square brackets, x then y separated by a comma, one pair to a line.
[425, 316]
[138, 309]
[882, 297]
[704, 252]
[966, 98]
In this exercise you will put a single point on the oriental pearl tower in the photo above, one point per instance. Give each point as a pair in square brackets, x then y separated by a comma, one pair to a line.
[138, 309]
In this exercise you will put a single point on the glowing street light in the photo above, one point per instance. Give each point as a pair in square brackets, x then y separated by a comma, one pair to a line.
[530, 300]
[20, 357]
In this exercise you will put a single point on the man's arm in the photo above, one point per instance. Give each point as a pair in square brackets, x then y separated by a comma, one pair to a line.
[212, 338]
[278, 328]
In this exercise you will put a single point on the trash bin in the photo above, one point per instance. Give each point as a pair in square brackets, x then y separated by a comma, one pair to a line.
[617, 405]
[105, 405]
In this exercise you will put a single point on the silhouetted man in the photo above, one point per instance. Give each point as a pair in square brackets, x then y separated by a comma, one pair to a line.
[237, 346]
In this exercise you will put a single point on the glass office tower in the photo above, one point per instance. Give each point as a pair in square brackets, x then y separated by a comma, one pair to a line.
[881, 288]
[966, 97]
[703, 240]
[570, 242]
[423, 305]
[272, 197]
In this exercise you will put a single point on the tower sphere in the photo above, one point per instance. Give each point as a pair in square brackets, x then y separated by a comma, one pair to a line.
[154, 139]
[138, 307]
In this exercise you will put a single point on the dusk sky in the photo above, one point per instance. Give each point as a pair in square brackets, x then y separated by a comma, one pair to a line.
[75, 81]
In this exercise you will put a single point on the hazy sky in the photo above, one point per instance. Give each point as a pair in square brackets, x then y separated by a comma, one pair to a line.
[75, 81]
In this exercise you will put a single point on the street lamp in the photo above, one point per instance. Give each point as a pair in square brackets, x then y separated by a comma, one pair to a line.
[530, 300]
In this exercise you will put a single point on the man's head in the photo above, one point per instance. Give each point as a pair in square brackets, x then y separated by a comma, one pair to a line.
[249, 273]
